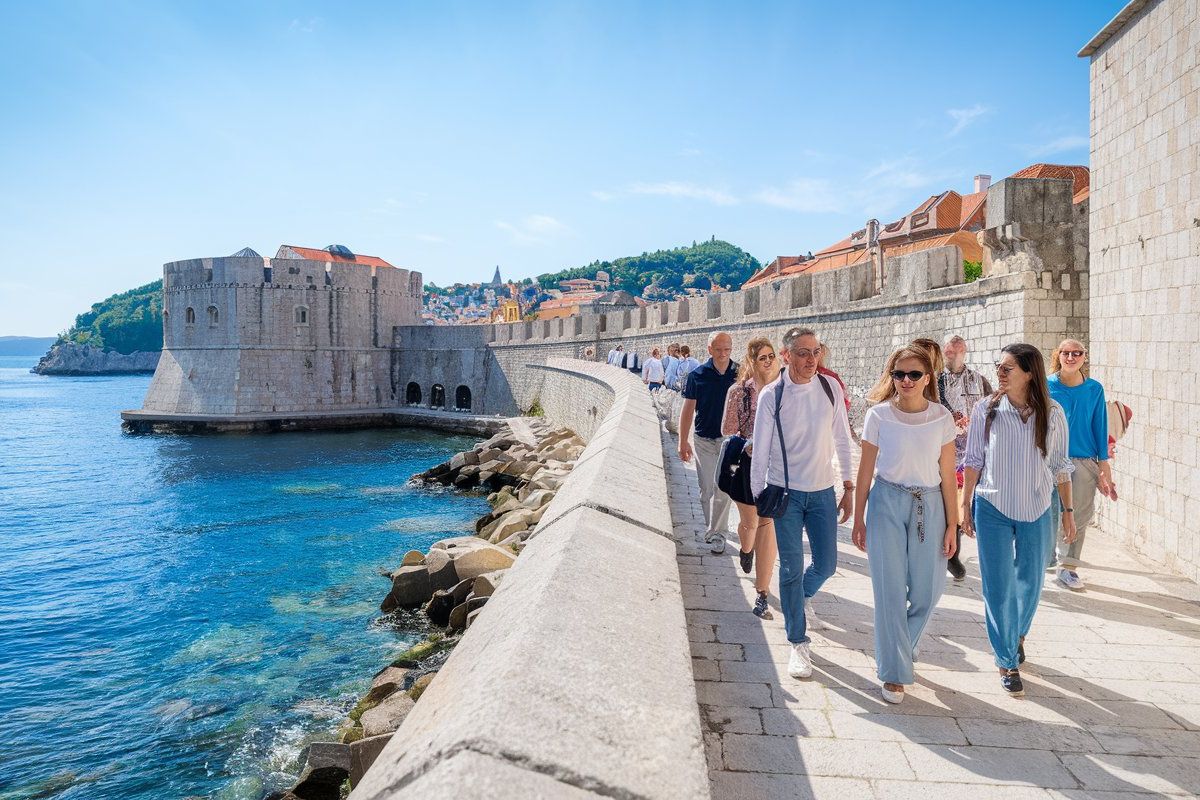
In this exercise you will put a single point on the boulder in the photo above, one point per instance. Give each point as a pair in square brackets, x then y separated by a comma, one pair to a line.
[511, 504]
[363, 754]
[396, 675]
[486, 520]
[451, 543]
[410, 588]
[489, 454]
[387, 716]
[412, 558]
[471, 618]
[538, 498]
[326, 767]
[485, 585]
[510, 523]
[465, 480]
[462, 590]
[440, 567]
[475, 557]
[458, 461]
[515, 539]
[420, 685]
[458, 617]
[439, 607]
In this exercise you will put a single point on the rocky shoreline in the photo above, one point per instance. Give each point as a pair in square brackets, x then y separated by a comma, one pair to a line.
[522, 467]
[69, 358]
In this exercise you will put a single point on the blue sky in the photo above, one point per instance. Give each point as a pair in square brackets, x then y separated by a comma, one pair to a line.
[452, 137]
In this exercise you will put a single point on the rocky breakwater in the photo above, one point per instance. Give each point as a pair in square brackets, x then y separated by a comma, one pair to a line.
[523, 467]
[69, 358]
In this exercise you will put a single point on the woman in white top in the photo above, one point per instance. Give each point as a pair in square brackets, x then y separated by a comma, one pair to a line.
[908, 528]
[652, 371]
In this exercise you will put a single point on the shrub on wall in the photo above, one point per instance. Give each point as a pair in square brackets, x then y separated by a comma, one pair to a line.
[972, 270]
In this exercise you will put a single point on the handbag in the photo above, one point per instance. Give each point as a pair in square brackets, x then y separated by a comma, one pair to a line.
[773, 501]
[731, 453]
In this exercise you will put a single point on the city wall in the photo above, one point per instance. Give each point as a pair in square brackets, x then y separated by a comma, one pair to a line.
[1145, 227]
[577, 682]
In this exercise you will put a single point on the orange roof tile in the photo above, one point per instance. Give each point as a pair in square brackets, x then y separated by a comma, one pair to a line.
[972, 206]
[967, 242]
[316, 254]
[1079, 174]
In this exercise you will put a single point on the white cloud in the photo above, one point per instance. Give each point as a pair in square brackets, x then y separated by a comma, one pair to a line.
[533, 229]
[1062, 144]
[965, 116]
[686, 190]
[810, 195]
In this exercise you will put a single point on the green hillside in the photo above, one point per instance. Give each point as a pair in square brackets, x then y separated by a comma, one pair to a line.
[125, 322]
[662, 274]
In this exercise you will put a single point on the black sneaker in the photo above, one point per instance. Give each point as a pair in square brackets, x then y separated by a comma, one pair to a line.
[1011, 683]
[747, 560]
[1020, 652]
[760, 607]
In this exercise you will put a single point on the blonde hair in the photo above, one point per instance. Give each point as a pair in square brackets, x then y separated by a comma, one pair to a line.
[935, 353]
[753, 348]
[885, 388]
[1056, 361]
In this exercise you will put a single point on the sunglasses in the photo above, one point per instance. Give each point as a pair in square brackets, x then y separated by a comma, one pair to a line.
[1071, 353]
[766, 358]
[1003, 369]
[912, 375]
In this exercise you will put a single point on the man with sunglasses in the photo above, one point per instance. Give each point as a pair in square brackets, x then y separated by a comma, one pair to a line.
[813, 423]
[961, 388]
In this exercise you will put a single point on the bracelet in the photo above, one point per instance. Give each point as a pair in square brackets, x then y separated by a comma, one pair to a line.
[1068, 511]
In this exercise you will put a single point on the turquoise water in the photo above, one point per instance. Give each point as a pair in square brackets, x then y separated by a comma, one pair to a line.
[180, 615]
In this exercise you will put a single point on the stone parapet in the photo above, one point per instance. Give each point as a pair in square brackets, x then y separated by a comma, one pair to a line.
[577, 681]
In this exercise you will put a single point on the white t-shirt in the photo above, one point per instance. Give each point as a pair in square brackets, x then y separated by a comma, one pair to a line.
[909, 443]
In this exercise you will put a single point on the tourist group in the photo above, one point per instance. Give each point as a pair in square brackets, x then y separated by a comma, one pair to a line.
[943, 454]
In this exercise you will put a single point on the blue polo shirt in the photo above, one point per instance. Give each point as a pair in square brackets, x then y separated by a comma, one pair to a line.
[708, 388]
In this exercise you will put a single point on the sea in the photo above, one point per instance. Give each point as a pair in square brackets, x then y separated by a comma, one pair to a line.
[181, 615]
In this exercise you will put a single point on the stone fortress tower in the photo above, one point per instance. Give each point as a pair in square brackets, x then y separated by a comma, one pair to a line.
[308, 331]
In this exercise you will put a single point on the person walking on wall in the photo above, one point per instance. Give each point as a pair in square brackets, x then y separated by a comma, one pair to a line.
[652, 371]
[908, 528]
[802, 418]
[1016, 453]
[756, 535]
[1082, 400]
[704, 404]
[686, 365]
[670, 362]
[960, 388]
[614, 355]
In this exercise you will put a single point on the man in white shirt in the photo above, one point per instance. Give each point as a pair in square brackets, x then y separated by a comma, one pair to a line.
[813, 421]
[652, 371]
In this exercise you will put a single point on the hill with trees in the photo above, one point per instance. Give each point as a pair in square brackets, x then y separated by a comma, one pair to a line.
[665, 274]
[125, 323]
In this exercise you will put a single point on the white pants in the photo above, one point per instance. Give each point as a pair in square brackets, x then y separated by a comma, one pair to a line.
[714, 502]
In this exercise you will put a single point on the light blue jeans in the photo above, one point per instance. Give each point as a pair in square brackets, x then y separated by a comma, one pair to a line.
[815, 512]
[907, 574]
[1012, 558]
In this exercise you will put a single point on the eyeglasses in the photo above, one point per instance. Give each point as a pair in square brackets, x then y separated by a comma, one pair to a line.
[1003, 369]
[1071, 353]
[913, 375]
[766, 358]
[807, 354]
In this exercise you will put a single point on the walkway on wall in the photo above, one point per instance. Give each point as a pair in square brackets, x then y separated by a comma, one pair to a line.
[1112, 685]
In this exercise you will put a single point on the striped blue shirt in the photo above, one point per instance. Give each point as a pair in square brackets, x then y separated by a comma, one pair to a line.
[1014, 475]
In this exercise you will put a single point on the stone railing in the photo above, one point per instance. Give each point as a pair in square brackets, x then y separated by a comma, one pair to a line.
[577, 679]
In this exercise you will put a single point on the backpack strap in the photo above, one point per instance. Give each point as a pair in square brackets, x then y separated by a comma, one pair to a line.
[779, 430]
[828, 389]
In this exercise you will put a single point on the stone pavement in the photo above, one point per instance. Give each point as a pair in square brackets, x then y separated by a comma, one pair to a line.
[1112, 681]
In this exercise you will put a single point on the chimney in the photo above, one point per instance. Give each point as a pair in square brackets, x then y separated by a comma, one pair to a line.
[982, 182]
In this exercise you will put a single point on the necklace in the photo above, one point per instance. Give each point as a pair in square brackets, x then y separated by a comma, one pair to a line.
[1024, 412]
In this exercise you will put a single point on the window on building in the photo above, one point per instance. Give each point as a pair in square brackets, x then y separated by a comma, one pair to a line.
[189, 316]
[301, 315]
[412, 394]
[214, 316]
[462, 399]
[437, 396]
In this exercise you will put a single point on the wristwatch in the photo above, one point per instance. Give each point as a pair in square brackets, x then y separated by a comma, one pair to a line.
[1068, 511]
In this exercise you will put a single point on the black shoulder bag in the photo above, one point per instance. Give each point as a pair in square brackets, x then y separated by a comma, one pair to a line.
[773, 501]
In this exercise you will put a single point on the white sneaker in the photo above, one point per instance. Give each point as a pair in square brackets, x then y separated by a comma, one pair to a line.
[812, 621]
[800, 663]
[1070, 579]
[715, 541]
[892, 697]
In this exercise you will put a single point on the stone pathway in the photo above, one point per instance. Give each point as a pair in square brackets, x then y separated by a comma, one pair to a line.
[1112, 705]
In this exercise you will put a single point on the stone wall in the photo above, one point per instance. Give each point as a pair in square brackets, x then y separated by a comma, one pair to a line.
[1145, 232]
[576, 681]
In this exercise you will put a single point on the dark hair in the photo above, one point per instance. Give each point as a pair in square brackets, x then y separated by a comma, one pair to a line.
[1029, 359]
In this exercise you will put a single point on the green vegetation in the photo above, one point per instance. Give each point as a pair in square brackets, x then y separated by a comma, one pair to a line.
[664, 274]
[972, 270]
[125, 322]
[422, 650]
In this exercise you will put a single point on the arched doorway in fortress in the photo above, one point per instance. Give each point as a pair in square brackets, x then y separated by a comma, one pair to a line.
[437, 396]
[462, 399]
[412, 394]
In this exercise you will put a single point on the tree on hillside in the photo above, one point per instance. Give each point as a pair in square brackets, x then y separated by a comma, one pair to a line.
[125, 322]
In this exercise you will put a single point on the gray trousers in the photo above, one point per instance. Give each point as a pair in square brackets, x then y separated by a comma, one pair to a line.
[1084, 482]
[714, 502]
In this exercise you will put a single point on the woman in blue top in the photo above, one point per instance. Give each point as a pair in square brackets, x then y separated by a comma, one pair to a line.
[1082, 399]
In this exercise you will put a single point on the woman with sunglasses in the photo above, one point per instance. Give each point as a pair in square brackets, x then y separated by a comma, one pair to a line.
[756, 534]
[1082, 399]
[1016, 453]
[908, 527]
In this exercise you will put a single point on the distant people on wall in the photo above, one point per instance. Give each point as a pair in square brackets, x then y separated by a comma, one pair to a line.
[704, 404]
[800, 424]
[756, 535]
[686, 364]
[670, 362]
[1017, 450]
[908, 529]
[652, 371]
[1082, 400]
[616, 355]
[633, 362]
[960, 388]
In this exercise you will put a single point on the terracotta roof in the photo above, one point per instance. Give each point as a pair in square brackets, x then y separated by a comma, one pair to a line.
[317, 254]
[972, 206]
[1078, 174]
[568, 301]
[967, 242]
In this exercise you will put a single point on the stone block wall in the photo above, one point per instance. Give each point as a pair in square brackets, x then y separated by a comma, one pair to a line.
[1145, 290]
